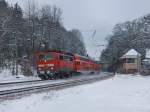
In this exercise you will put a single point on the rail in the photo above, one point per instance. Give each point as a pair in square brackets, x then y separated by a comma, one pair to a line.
[12, 92]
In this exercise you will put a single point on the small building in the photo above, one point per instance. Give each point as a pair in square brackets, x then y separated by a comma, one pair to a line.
[145, 64]
[130, 62]
[147, 56]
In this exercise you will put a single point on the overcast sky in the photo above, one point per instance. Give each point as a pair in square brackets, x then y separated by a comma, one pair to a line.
[99, 15]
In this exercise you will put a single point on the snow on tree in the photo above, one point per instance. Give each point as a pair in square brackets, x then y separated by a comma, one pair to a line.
[131, 34]
[23, 32]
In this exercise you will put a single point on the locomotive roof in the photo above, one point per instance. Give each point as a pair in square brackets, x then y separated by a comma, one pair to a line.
[63, 52]
[57, 51]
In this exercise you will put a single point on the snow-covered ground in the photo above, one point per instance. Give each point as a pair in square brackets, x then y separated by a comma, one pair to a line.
[121, 93]
[6, 76]
[31, 84]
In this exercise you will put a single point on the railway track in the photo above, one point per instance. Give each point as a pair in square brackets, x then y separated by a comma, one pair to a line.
[19, 83]
[9, 93]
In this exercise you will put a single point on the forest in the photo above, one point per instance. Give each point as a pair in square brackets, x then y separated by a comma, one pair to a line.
[130, 34]
[24, 32]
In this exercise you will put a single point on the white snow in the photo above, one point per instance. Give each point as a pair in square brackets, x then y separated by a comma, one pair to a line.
[31, 84]
[147, 53]
[6, 76]
[131, 52]
[122, 93]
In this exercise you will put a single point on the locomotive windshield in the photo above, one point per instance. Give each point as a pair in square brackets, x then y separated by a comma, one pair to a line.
[44, 57]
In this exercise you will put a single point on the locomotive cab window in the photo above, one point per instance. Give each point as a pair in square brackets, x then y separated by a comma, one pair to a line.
[42, 57]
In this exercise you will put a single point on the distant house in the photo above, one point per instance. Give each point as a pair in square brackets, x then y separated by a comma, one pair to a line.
[130, 62]
[145, 65]
[147, 56]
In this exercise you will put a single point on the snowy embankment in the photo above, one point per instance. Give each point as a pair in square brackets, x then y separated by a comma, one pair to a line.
[6, 76]
[118, 94]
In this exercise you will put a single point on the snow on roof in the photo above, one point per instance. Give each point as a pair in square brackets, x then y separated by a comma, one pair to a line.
[147, 53]
[131, 54]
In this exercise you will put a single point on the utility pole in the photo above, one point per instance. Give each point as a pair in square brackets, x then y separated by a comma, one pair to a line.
[15, 54]
[16, 50]
[33, 44]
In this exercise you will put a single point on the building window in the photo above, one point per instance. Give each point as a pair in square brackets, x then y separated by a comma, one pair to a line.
[130, 60]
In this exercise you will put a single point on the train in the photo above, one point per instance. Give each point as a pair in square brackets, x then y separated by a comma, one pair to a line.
[54, 64]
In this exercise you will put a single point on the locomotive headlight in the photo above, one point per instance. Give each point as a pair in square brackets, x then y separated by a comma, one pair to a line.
[52, 68]
[42, 72]
[48, 72]
[41, 65]
[50, 65]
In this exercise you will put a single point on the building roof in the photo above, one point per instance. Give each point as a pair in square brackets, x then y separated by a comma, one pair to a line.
[131, 54]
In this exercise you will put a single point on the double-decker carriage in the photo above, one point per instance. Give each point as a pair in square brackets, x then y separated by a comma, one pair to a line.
[85, 65]
[57, 64]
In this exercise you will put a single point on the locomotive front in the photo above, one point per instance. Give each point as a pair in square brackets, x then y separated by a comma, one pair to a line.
[46, 64]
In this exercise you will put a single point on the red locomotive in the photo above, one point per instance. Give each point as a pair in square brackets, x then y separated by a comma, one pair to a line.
[57, 64]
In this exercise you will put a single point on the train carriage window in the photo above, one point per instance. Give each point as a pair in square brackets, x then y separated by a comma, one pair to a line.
[71, 58]
[49, 56]
[61, 57]
[66, 58]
